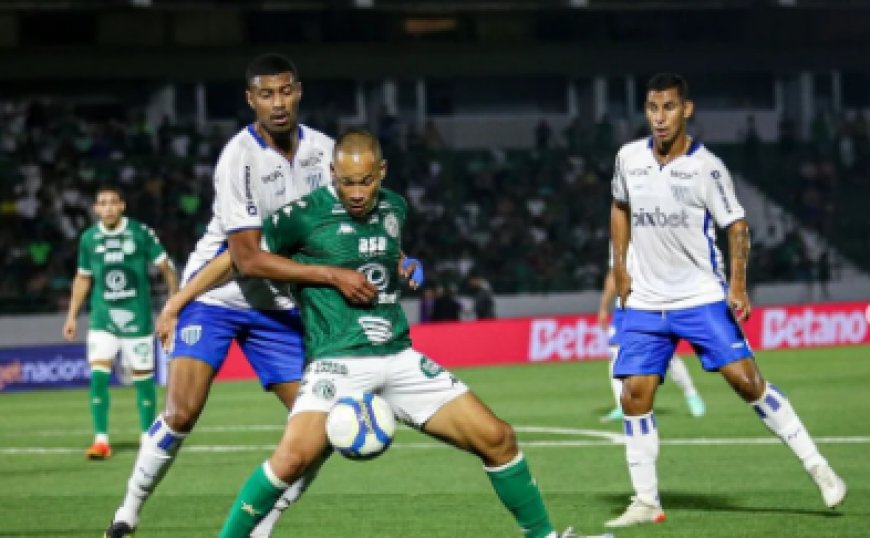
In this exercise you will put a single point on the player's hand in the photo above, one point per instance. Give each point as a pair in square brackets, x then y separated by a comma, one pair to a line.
[623, 284]
[411, 269]
[69, 329]
[164, 328]
[354, 286]
[738, 302]
[604, 318]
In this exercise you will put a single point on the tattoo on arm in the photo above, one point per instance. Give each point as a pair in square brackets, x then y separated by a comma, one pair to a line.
[738, 248]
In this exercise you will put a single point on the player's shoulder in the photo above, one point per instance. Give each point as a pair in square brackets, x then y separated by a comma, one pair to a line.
[90, 232]
[634, 148]
[137, 226]
[243, 144]
[392, 199]
[315, 202]
[709, 160]
[316, 138]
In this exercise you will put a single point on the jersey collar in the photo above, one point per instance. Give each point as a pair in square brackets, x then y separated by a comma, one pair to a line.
[693, 147]
[262, 142]
[118, 229]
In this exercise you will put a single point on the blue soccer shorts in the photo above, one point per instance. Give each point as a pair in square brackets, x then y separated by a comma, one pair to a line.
[649, 338]
[615, 332]
[270, 339]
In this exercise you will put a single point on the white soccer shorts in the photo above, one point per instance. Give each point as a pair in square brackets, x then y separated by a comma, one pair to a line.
[415, 386]
[136, 353]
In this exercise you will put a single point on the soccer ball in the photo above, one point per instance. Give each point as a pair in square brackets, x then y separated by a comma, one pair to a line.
[361, 426]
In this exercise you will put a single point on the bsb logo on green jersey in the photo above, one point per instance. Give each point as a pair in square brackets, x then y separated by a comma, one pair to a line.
[372, 246]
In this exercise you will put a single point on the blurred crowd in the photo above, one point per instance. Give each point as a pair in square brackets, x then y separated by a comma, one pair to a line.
[484, 222]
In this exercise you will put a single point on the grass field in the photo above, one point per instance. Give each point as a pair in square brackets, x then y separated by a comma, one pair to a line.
[722, 475]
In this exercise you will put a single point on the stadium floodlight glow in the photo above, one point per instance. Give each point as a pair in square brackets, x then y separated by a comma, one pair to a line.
[363, 4]
[578, 4]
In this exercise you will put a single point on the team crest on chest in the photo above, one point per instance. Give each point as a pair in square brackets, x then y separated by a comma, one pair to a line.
[391, 225]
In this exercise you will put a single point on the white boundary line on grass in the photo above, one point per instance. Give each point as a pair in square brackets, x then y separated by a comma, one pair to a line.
[602, 438]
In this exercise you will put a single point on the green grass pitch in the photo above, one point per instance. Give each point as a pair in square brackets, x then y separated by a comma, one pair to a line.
[720, 476]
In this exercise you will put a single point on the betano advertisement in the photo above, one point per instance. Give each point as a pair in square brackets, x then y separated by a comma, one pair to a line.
[578, 337]
[508, 341]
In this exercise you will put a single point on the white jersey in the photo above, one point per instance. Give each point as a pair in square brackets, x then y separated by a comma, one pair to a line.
[674, 260]
[251, 181]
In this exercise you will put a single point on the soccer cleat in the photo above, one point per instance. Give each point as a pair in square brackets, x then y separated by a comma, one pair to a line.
[118, 529]
[98, 451]
[638, 512]
[569, 533]
[615, 414]
[696, 405]
[833, 487]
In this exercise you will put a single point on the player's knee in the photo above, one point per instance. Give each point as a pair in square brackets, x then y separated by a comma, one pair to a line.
[290, 464]
[182, 413]
[498, 441]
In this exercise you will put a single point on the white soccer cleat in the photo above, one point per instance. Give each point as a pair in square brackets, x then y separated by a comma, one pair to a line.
[638, 512]
[833, 487]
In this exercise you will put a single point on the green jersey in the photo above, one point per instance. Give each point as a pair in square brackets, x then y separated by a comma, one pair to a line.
[316, 229]
[117, 261]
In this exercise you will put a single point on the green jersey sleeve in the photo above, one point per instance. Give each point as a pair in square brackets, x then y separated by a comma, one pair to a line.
[155, 250]
[284, 231]
[84, 262]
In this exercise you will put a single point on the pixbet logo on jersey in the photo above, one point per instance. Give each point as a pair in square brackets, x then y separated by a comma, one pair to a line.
[659, 218]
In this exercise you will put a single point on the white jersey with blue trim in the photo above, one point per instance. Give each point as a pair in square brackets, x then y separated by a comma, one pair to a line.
[251, 181]
[673, 209]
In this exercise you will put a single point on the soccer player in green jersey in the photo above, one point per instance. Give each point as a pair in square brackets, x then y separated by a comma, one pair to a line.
[354, 223]
[113, 259]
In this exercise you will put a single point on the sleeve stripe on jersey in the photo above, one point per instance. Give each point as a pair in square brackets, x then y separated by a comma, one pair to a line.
[86, 272]
[241, 228]
[160, 258]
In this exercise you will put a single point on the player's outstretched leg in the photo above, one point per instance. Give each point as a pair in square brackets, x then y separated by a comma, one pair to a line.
[304, 444]
[776, 412]
[469, 424]
[680, 374]
[189, 383]
[615, 387]
[641, 452]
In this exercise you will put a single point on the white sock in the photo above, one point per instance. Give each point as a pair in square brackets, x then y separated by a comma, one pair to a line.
[778, 415]
[101, 438]
[615, 384]
[290, 496]
[156, 454]
[680, 374]
[641, 453]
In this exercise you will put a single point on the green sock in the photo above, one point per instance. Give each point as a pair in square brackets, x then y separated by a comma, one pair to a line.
[520, 494]
[100, 400]
[254, 501]
[146, 397]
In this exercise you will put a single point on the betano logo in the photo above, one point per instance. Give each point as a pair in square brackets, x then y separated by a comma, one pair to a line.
[812, 328]
[577, 340]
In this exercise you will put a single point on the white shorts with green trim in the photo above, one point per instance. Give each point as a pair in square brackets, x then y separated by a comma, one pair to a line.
[415, 386]
[136, 353]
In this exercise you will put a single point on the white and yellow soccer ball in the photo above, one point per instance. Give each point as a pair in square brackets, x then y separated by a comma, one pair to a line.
[361, 426]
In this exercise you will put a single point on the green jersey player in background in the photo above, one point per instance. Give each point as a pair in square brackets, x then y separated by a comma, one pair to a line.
[113, 259]
[354, 223]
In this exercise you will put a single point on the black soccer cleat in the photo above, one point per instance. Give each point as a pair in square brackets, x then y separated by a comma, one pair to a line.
[119, 529]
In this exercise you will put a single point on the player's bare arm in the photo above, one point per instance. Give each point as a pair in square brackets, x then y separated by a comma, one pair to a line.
[608, 293]
[170, 276]
[620, 234]
[738, 249]
[252, 261]
[80, 288]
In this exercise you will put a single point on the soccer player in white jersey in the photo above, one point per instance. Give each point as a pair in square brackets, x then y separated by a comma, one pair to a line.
[668, 193]
[613, 324]
[267, 164]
